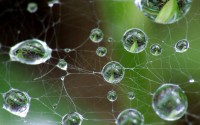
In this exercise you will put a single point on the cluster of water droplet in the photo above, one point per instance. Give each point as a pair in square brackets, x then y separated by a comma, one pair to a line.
[169, 101]
[32, 7]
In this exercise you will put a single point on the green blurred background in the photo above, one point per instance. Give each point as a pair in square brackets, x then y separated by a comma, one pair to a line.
[68, 25]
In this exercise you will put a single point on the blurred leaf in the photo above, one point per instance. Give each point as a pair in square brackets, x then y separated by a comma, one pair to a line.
[167, 12]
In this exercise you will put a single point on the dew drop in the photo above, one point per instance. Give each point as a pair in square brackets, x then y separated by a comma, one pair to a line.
[155, 49]
[51, 3]
[130, 117]
[31, 52]
[16, 102]
[112, 96]
[131, 95]
[62, 78]
[55, 106]
[101, 51]
[73, 118]
[164, 11]
[170, 102]
[191, 81]
[32, 7]
[113, 72]
[62, 64]
[182, 46]
[96, 35]
[134, 40]
[67, 50]
[110, 39]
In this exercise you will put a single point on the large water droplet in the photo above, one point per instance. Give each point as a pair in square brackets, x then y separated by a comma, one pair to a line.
[164, 11]
[31, 52]
[170, 102]
[16, 102]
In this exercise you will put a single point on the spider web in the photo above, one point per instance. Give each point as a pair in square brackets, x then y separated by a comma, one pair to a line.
[81, 88]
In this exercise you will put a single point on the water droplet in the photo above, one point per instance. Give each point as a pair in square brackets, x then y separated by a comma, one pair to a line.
[110, 39]
[32, 7]
[113, 72]
[96, 35]
[131, 95]
[170, 102]
[62, 78]
[52, 2]
[155, 49]
[164, 11]
[31, 52]
[16, 102]
[130, 117]
[67, 50]
[181, 46]
[62, 64]
[191, 81]
[101, 51]
[134, 40]
[72, 119]
[112, 96]
[55, 106]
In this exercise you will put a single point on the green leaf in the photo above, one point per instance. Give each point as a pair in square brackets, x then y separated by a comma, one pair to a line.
[167, 12]
[111, 78]
[134, 46]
